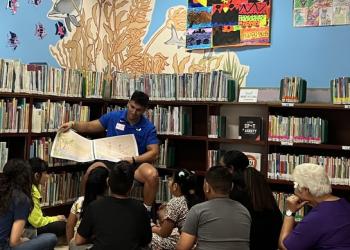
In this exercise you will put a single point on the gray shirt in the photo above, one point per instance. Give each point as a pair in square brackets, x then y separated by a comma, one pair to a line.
[220, 224]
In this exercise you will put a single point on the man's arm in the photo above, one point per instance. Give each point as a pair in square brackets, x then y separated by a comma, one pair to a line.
[150, 155]
[186, 241]
[94, 126]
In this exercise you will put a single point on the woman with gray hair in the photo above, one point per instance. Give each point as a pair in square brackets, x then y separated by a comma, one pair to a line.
[327, 225]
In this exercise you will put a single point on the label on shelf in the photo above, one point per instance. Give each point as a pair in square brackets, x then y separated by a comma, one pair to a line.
[347, 106]
[287, 104]
[286, 143]
[345, 147]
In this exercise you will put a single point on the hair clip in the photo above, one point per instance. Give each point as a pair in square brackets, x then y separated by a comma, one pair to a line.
[296, 184]
[181, 174]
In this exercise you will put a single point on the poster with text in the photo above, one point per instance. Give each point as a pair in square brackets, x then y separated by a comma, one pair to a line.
[224, 23]
[313, 13]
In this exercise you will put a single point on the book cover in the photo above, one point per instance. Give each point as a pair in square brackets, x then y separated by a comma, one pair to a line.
[250, 128]
[254, 160]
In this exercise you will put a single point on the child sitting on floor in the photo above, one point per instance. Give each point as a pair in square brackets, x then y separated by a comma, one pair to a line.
[43, 224]
[95, 187]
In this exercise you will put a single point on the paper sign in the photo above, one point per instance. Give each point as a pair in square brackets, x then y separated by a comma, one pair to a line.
[248, 95]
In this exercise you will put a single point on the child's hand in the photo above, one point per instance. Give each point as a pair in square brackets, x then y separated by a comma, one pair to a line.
[61, 218]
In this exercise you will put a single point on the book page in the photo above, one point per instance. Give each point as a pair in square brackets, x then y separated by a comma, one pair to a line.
[115, 148]
[71, 146]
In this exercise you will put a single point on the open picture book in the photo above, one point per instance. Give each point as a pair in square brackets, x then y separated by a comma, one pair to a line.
[72, 146]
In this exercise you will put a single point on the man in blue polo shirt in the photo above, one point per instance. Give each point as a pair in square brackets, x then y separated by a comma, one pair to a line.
[130, 121]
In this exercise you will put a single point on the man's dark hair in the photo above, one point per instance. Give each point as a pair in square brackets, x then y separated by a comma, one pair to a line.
[220, 179]
[121, 178]
[140, 98]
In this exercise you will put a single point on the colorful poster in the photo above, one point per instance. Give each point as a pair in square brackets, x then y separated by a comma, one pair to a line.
[223, 23]
[314, 13]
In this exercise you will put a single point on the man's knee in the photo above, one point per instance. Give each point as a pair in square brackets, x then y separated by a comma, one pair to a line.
[150, 173]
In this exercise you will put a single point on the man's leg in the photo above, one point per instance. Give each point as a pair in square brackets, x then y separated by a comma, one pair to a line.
[148, 175]
[41, 242]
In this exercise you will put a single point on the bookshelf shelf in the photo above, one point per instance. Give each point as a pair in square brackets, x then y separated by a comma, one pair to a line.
[237, 141]
[57, 206]
[183, 137]
[308, 145]
[290, 183]
[13, 135]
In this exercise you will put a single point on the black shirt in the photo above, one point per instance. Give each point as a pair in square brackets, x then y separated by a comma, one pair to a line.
[265, 229]
[116, 224]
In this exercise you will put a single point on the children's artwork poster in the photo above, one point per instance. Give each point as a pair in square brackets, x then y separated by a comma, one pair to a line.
[313, 13]
[224, 23]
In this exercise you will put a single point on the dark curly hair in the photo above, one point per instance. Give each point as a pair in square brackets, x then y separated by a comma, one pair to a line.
[16, 177]
[187, 183]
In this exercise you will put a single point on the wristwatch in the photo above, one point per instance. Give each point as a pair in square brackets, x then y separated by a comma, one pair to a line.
[289, 213]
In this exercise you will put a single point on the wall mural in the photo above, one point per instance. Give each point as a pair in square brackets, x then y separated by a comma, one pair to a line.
[109, 35]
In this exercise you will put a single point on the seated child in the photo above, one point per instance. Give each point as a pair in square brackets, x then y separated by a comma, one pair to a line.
[170, 240]
[15, 205]
[116, 221]
[43, 224]
[181, 186]
[95, 188]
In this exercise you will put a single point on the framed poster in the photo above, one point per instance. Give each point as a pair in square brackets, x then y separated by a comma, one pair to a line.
[223, 23]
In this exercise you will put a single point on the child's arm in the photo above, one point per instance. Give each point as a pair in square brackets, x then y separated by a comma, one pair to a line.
[165, 229]
[71, 222]
[16, 232]
[36, 217]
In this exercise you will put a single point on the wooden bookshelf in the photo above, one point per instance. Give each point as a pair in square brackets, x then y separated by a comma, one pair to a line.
[191, 151]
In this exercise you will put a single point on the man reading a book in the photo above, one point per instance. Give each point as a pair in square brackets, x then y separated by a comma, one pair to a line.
[130, 121]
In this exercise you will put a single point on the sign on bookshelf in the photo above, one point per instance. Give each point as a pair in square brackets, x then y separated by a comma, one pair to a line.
[250, 128]
[248, 95]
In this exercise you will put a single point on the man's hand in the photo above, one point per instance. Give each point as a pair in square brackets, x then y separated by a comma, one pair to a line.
[294, 203]
[66, 126]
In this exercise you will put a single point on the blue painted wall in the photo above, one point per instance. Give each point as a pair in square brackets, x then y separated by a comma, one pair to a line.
[30, 49]
[316, 54]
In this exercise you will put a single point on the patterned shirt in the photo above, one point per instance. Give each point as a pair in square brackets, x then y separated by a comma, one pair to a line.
[176, 211]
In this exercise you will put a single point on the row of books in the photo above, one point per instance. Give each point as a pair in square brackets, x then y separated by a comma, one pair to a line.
[14, 115]
[293, 89]
[163, 193]
[297, 129]
[171, 120]
[49, 116]
[217, 126]
[281, 166]
[4, 152]
[198, 86]
[281, 199]
[61, 188]
[39, 78]
[166, 157]
[340, 90]
[214, 157]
